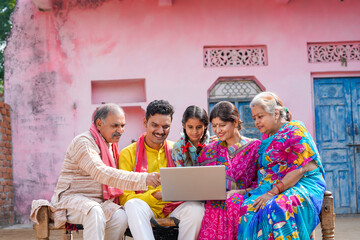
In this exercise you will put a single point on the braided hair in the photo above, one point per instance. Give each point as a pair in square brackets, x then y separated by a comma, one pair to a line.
[200, 114]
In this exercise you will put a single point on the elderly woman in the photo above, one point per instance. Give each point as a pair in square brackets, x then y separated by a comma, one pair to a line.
[291, 185]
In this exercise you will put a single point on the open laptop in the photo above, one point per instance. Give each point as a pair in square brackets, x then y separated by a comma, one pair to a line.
[193, 183]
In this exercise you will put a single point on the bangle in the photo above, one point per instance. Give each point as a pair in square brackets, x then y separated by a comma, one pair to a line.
[283, 186]
[278, 188]
[271, 193]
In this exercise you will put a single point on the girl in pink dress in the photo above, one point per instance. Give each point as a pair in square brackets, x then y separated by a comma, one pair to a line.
[239, 155]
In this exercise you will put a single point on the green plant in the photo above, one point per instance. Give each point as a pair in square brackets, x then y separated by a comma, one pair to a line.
[6, 8]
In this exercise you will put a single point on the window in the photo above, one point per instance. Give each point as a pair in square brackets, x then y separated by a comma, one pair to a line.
[239, 91]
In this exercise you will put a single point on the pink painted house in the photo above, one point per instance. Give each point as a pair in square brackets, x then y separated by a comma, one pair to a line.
[66, 58]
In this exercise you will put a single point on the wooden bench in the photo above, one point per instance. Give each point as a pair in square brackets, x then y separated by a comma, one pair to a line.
[162, 227]
[327, 217]
[167, 228]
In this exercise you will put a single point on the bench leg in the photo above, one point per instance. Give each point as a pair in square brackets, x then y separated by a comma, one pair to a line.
[67, 235]
[328, 217]
[42, 229]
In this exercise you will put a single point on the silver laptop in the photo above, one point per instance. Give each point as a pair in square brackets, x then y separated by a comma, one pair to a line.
[193, 183]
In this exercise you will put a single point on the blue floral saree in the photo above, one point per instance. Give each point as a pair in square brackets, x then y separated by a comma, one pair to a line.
[293, 214]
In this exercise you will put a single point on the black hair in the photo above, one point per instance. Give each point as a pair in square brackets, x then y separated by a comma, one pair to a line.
[162, 107]
[227, 112]
[200, 114]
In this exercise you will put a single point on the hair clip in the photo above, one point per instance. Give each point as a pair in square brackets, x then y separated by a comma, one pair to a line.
[276, 101]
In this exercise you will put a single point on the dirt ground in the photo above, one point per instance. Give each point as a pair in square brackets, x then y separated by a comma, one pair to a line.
[22, 234]
[346, 228]
[25, 232]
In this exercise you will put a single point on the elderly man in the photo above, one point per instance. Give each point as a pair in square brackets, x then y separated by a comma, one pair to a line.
[89, 182]
[149, 154]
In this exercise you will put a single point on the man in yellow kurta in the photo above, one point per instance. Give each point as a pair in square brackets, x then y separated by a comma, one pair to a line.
[149, 154]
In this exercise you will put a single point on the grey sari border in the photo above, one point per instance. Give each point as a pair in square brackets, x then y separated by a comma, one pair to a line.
[208, 161]
[240, 149]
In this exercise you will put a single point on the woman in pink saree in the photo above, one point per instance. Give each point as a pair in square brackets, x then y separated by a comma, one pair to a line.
[239, 156]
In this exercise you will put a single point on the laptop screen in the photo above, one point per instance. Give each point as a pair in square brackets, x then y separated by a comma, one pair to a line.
[193, 183]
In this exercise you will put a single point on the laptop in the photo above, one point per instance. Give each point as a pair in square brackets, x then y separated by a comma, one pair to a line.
[193, 183]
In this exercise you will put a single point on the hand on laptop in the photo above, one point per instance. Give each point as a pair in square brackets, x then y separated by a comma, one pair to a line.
[232, 192]
[153, 179]
[157, 195]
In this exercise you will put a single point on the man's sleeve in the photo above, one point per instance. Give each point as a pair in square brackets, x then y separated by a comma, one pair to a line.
[127, 162]
[88, 159]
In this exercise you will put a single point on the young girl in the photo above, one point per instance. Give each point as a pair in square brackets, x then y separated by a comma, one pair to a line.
[195, 123]
[239, 156]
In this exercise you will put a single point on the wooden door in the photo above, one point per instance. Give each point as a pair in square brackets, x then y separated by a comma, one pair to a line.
[355, 101]
[337, 137]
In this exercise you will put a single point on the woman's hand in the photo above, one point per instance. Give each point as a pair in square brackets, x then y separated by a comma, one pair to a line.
[232, 192]
[213, 138]
[261, 201]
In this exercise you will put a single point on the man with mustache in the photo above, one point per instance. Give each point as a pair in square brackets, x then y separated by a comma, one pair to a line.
[148, 154]
[89, 183]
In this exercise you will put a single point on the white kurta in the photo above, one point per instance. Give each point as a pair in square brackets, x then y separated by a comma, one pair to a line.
[80, 182]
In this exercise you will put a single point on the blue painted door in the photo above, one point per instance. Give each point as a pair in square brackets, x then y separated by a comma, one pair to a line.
[355, 101]
[337, 137]
[248, 126]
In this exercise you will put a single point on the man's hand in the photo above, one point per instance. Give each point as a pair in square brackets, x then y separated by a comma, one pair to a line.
[157, 195]
[153, 179]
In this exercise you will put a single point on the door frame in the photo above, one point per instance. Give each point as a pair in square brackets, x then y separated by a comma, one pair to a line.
[339, 74]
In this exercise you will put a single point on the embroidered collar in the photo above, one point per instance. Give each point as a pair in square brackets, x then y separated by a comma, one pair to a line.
[189, 146]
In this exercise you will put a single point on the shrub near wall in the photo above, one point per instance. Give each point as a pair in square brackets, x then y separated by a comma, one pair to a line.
[6, 175]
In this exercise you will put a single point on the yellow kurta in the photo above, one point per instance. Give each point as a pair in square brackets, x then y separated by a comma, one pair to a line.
[156, 160]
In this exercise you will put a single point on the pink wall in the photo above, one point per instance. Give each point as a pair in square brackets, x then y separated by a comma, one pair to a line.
[53, 57]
